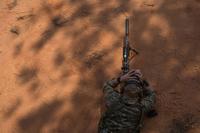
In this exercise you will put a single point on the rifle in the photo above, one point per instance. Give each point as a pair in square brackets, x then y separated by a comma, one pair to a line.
[127, 57]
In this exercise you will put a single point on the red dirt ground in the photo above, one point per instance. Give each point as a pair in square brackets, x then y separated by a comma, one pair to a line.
[55, 56]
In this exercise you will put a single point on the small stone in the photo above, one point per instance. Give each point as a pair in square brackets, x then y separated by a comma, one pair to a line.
[15, 30]
[59, 21]
[25, 17]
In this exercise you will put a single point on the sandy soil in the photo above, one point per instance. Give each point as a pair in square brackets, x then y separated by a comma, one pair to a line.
[55, 56]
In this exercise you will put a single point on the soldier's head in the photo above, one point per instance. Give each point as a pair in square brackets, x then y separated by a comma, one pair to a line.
[131, 82]
[131, 89]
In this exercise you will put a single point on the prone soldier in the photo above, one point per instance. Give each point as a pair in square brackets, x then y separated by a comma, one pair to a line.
[125, 108]
[124, 111]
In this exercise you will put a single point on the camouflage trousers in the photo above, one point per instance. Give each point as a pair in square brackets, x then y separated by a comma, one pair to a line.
[124, 131]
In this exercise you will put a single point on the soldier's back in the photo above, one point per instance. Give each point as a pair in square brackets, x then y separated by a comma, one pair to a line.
[122, 117]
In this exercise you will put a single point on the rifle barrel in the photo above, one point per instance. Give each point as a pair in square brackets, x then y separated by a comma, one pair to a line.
[127, 26]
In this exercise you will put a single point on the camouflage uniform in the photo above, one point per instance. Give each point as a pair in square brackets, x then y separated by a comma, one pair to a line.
[124, 114]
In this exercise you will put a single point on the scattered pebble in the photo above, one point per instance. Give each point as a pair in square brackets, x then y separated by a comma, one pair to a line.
[15, 30]
[58, 21]
[25, 17]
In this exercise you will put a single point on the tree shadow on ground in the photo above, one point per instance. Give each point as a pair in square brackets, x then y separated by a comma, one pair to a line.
[34, 122]
[157, 57]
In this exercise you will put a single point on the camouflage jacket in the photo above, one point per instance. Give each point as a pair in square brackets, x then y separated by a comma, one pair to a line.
[123, 115]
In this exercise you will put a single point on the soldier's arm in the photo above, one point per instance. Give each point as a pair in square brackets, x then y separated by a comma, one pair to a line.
[149, 99]
[111, 96]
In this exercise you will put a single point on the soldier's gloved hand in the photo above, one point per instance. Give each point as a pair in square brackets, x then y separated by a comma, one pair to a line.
[130, 75]
[152, 113]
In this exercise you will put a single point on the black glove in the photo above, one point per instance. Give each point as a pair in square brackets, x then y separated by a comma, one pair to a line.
[152, 113]
[145, 83]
